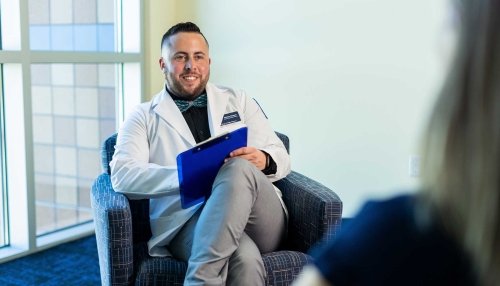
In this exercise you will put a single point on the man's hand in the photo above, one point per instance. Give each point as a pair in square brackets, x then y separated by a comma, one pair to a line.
[252, 154]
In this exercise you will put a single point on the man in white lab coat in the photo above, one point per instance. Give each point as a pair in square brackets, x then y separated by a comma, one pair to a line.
[222, 238]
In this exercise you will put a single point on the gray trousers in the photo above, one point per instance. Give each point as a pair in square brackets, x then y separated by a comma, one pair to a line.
[242, 218]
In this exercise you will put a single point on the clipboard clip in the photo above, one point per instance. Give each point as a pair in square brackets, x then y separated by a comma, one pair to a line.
[211, 141]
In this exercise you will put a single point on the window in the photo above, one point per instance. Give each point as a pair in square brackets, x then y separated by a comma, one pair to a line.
[73, 111]
[72, 25]
[70, 70]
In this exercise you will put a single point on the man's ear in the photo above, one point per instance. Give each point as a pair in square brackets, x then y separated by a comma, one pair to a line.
[162, 64]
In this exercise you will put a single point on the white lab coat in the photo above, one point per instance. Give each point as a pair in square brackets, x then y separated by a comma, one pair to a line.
[144, 164]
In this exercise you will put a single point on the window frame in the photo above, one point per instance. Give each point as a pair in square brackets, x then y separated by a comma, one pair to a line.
[19, 166]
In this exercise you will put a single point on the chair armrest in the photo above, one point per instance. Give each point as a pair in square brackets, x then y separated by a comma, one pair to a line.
[113, 229]
[315, 211]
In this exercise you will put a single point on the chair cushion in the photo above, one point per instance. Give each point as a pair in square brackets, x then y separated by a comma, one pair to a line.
[281, 268]
[158, 270]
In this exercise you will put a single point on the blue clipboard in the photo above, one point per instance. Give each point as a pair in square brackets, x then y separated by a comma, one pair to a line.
[198, 166]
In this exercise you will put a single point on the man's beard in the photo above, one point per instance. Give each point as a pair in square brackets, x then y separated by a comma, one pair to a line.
[178, 89]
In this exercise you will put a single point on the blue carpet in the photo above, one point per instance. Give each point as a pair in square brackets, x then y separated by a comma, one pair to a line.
[72, 263]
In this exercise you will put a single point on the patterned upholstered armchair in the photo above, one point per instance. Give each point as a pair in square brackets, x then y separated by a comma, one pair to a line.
[122, 230]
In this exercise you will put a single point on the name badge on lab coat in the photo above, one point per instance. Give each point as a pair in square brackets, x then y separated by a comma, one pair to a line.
[229, 118]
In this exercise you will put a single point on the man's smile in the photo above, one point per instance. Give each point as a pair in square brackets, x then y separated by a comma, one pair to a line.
[189, 77]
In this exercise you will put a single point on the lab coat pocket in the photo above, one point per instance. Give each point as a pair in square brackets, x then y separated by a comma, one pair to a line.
[232, 127]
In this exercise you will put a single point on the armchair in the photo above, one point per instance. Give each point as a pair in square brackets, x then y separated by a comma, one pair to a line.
[122, 230]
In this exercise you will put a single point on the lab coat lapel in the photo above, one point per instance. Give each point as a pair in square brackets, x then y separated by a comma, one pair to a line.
[166, 108]
[217, 102]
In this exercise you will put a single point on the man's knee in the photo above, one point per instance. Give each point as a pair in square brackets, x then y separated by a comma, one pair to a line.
[238, 172]
[238, 165]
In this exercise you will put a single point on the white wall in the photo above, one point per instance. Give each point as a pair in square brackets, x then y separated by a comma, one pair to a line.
[350, 81]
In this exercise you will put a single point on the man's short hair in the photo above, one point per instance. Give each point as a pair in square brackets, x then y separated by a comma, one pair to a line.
[181, 27]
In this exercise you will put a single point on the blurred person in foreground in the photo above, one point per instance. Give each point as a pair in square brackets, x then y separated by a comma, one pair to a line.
[449, 233]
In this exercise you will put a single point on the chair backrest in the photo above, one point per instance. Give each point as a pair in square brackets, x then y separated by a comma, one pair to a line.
[140, 208]
[141, 230]
[108, 149]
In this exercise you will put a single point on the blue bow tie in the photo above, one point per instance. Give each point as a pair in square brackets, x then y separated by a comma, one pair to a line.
[183, 105]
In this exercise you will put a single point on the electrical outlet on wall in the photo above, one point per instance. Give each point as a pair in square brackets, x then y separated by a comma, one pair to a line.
[414, 166]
